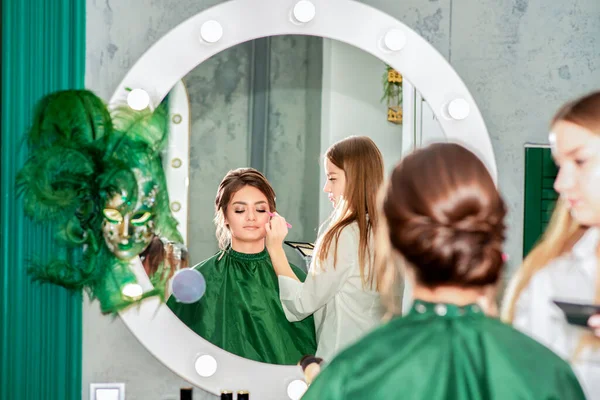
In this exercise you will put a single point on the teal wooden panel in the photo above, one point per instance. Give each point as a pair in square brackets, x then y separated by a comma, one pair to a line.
[548, 182]
[43, 50]
[548, 167]
[540, 197]
[549, 194]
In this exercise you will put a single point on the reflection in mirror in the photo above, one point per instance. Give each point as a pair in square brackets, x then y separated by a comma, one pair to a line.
[240, 311]
[274, 104]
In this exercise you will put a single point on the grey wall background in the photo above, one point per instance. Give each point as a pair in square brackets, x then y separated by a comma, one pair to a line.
[520, 59]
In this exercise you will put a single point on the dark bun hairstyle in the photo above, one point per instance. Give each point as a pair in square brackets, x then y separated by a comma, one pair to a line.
[445, 217]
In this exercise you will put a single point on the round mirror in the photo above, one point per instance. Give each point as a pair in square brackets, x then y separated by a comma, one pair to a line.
[275, 104]
[204, 37]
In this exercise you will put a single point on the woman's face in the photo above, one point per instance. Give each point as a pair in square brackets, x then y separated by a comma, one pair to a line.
[247, 214]
[576, 151]
[336, 182]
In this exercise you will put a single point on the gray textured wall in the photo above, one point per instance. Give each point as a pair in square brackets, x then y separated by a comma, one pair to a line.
[293, 133]
[520, 59]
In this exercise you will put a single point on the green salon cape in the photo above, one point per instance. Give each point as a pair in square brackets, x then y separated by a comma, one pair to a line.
[240, 311]
[441, 352]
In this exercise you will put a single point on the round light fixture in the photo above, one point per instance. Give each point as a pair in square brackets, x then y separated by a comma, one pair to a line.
[304, 11]
[176, 119]
[132, 291]
[175, 206]
[458, 109]
[188, 285]
[138, 99]
[296, 389]
[394, 40]
[206, 365]
[211, 31]
[176, 162]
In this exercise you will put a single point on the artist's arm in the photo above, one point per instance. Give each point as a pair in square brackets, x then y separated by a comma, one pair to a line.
[324, 280]
[277, 230]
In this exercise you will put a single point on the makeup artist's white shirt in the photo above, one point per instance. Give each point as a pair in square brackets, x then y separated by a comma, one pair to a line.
[571, 277]
[344, 311]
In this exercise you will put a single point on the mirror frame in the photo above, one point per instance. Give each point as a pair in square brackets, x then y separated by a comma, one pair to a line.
[176, 157]
[182, 49]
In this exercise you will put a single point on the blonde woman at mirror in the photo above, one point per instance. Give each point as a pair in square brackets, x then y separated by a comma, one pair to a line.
[564, 264]
[240, 311]
[444, 216]
[340, 288]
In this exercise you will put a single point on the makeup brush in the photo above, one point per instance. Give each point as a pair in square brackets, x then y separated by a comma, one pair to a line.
[288, 224]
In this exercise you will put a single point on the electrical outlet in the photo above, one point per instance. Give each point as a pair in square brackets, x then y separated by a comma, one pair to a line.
[107, 391]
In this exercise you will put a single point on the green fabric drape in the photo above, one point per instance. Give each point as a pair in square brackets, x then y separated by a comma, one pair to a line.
[442, 351]
[241, 312]
[43, 50]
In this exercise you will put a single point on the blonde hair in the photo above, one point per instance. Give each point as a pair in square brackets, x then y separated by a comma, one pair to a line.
[362, 163]
[558, 239]
[564, 231]
[390, 266]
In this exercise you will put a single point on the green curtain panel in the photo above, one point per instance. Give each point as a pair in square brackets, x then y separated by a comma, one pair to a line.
[43, 50]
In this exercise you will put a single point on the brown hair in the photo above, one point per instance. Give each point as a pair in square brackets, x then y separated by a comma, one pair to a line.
[584, 111]
[232, 182]
[563, 231]
[362, 163]
[445, 217]
[164, 257]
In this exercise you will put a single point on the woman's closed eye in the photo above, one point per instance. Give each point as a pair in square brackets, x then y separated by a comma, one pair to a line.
[242, 211]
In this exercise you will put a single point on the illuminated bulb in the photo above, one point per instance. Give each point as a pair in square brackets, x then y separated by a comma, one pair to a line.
[138, 99]
[132, 291]
[296, 389]
[211, 31]
[206, 365]
[458, 109]
[304, 11]
[394, 40]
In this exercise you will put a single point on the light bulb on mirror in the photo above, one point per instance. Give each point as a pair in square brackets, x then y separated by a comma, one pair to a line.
[394, 40]
[206, 365]
[296, 389]
[458, 109]
[138, 99]
[188, 285]
[132, 291]
[304, 11]
[211, 31]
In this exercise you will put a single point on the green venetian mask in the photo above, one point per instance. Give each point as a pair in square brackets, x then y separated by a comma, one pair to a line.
[128, 225]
